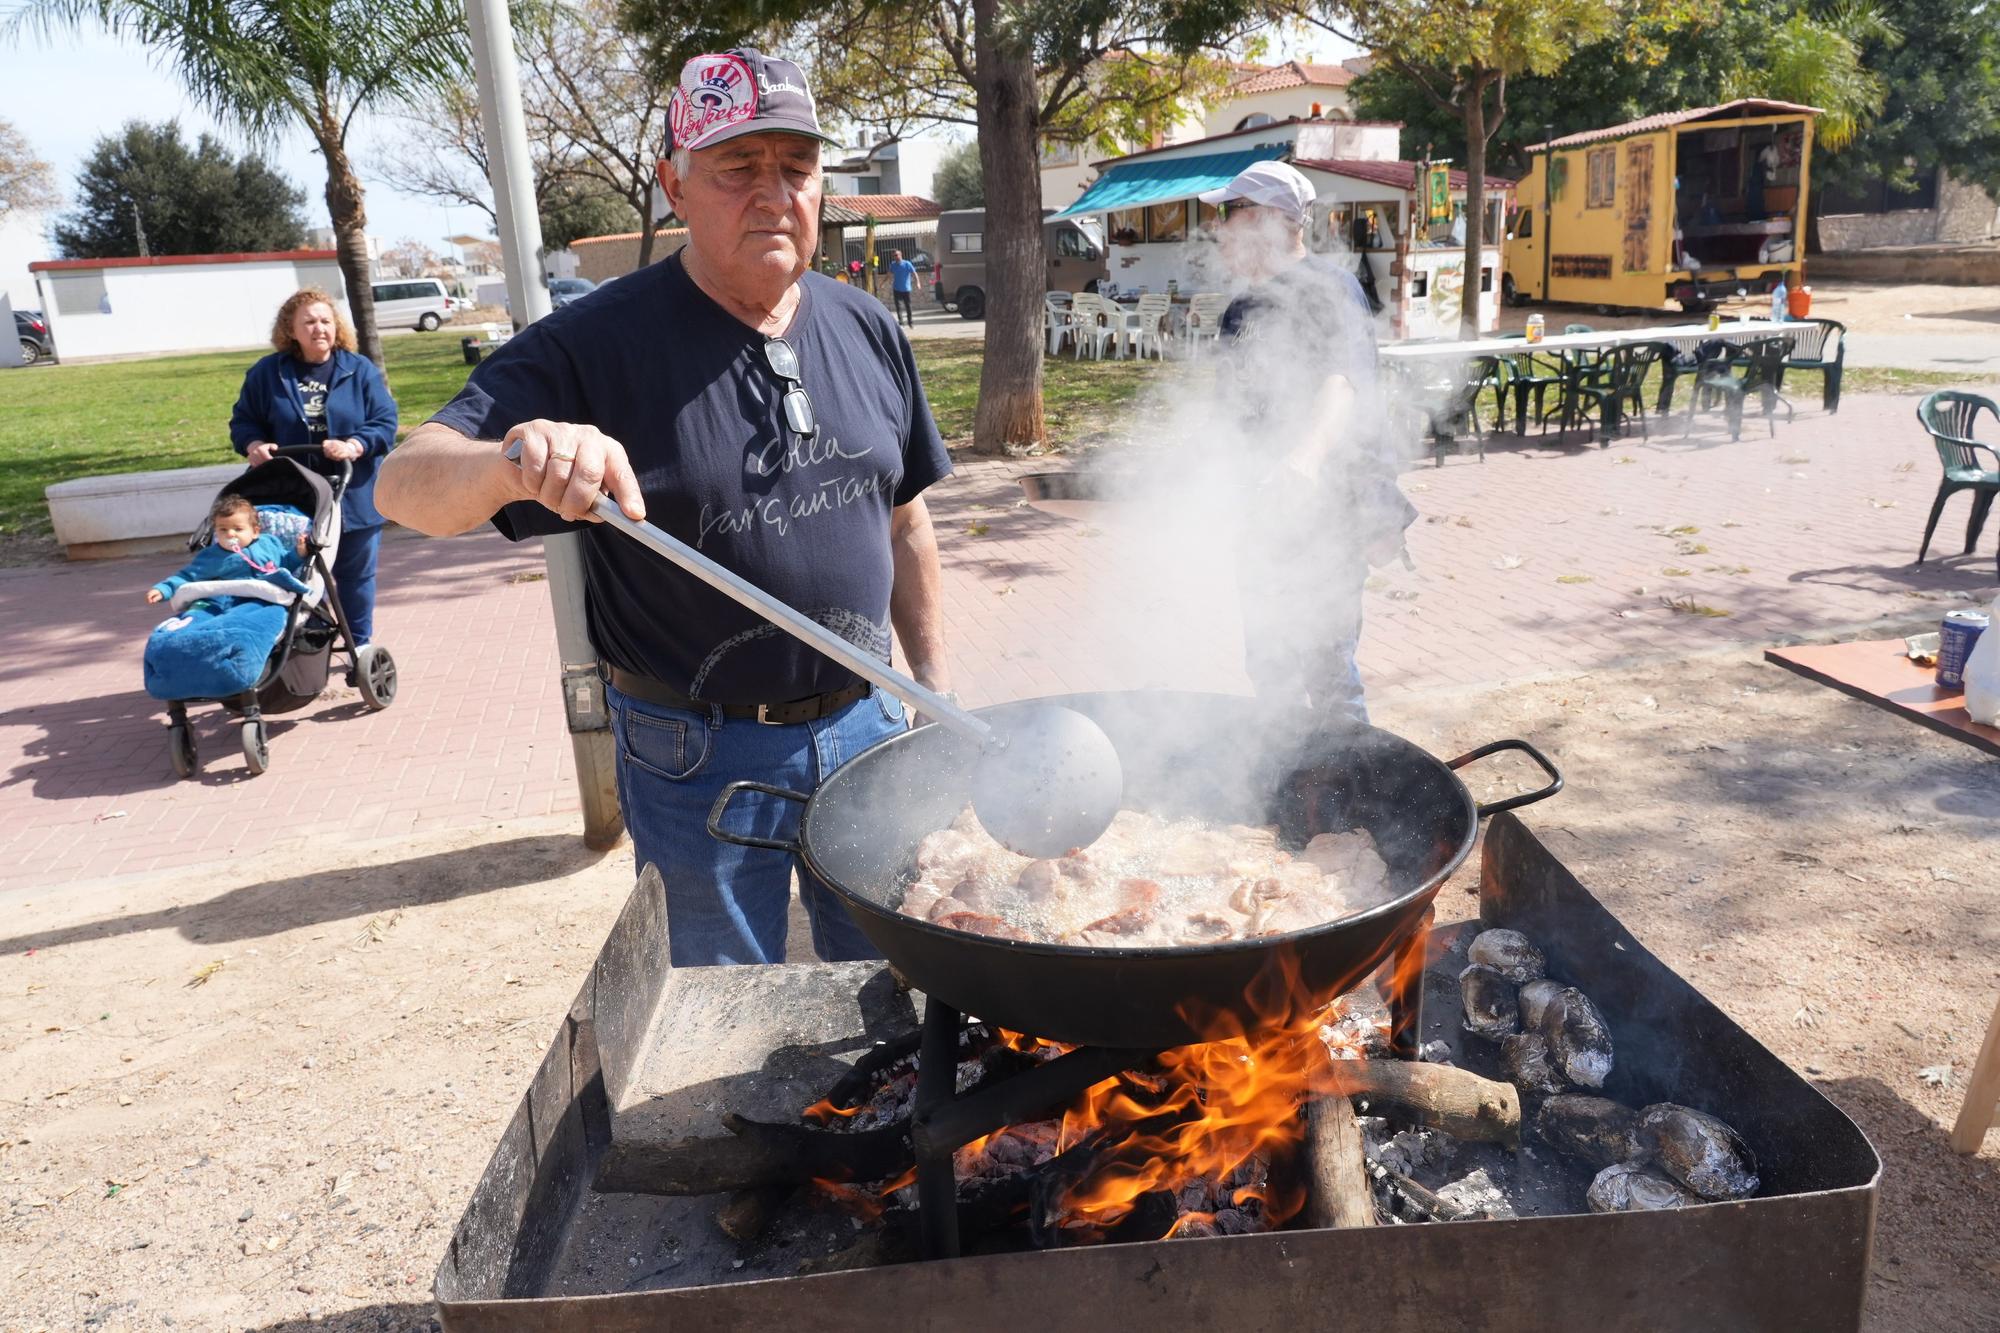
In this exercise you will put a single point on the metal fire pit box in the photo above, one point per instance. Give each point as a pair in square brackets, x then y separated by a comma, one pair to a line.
[1794, 1257]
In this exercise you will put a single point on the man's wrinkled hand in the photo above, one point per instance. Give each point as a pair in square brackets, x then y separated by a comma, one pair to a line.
[260, 453]
[565, 467]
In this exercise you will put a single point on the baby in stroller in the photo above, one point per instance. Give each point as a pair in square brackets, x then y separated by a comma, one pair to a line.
[240, 549]
[256, 616]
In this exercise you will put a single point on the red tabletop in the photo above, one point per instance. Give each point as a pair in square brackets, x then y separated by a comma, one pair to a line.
[1880, 672]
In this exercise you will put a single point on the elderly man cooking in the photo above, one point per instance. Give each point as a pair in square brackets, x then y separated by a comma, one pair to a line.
[770, 418]
[1325, 505]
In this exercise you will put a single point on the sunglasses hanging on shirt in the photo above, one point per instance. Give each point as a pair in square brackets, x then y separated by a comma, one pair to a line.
[784, 363]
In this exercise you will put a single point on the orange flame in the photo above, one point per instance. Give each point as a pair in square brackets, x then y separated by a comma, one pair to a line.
[1220, 1114]
[863, 1201]
[824, 1112]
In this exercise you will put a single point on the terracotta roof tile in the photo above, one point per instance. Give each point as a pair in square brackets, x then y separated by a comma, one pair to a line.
[1749, 106]
[1292, 74]
[852, 210]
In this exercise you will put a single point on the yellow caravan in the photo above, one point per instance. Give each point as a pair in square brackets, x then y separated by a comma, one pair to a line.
[1685, 206]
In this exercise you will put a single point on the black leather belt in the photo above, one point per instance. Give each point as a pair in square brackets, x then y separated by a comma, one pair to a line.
[789, 714]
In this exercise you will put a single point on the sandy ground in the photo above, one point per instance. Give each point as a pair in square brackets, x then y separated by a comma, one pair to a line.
[292, 1138]
[1864, 307]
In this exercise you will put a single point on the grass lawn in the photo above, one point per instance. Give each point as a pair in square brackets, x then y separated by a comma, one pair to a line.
[59, 422]
[1078, 397]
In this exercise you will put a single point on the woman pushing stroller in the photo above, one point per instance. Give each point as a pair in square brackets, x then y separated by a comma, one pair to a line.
[316, 389]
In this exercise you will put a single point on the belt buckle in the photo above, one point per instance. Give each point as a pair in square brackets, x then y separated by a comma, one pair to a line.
[763, 715]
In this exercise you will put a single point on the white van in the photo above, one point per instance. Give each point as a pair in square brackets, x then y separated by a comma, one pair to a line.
[412, 303]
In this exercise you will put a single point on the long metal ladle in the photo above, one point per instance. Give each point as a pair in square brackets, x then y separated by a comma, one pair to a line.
[1052, 782]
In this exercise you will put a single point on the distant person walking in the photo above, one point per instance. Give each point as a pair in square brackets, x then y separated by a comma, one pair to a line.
[903, 279]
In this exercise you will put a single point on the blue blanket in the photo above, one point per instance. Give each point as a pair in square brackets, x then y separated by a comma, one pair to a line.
[212, 650]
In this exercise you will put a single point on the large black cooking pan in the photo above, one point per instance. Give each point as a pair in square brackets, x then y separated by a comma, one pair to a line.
[1215, 757]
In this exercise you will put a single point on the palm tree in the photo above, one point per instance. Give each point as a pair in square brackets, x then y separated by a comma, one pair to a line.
[314, 64]
[1816, 59]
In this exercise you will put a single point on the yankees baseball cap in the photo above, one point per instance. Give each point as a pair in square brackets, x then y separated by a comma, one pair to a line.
[1275, 185]
[733, 93]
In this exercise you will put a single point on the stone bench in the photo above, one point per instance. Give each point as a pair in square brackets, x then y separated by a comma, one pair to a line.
[134, 513]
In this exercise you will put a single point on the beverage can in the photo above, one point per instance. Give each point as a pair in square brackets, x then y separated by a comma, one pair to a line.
[1961, 629]
[1714, 320]
[1535, 326]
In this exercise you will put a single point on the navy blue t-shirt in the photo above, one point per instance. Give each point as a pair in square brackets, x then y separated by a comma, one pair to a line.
[657, 365]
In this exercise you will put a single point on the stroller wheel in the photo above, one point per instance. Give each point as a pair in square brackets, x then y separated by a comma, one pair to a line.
[180, 748]
[375, 676]
[256, 748]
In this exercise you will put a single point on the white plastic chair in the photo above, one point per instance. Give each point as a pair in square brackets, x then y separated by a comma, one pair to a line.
[1087, 314]
[1149, 325]
[1056, 320]
[1204, 320]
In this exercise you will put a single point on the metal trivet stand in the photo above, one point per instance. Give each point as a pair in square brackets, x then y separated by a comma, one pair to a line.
[944, 1120]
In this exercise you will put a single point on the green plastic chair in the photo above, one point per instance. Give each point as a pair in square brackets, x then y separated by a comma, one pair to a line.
[1952, 418]
[1578, 328]
[1819, 344]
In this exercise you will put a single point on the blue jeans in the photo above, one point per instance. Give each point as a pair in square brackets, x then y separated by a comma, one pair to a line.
[354, 579]
[729, 904]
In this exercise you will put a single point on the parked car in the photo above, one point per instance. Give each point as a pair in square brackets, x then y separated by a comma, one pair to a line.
[1074, 250]
[564, 290]
[33, 331]
[411, 303]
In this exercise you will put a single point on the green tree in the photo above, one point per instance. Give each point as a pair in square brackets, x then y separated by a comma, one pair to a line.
[27, 184]
[573, 209]
[1461, 53]
[1819, 60]
[1942, 107]
[956, 183]
[272, 65]
[189, 201]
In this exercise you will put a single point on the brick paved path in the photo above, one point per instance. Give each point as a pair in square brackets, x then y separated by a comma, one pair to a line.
[1824, 519]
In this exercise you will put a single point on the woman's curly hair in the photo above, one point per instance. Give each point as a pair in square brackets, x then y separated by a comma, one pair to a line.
[281, 328]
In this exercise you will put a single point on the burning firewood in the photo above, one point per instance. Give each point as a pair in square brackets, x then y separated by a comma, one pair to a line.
[1338, 1194]
[1456, 1101]
[754, 1154]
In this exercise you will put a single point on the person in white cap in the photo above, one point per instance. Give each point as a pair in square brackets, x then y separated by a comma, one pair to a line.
[1328, 505]
[764, 414]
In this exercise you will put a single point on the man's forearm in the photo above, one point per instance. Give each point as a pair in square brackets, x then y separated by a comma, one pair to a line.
[440, 482]
[915, 606]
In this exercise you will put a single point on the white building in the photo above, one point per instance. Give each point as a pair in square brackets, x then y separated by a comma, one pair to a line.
[908, 166]
[174, 303]
[1157, 232]
[1261, 95]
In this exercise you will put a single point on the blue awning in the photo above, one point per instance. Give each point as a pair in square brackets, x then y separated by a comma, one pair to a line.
[1137, 184]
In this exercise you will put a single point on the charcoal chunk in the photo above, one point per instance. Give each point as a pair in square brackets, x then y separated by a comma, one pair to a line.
[1508, 953]
[1526, 1056]
[1535, 997]
[1625, 1188]
[1697, 1150]
[1490, 1008]
[1579, 1040]
[1596, 1130]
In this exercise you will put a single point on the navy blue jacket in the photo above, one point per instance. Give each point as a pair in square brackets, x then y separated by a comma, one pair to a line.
[358, 407]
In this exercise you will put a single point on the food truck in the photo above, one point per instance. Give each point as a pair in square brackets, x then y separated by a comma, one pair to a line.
[1685, 206]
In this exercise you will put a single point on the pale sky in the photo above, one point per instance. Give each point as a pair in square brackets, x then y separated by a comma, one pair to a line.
[63, 94]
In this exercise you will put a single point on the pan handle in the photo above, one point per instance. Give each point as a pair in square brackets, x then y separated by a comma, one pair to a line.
[728, 794]
[1512, 802]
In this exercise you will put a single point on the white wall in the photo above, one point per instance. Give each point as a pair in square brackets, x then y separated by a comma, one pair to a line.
[134, 310]
[22, 242]
[1278, 104]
